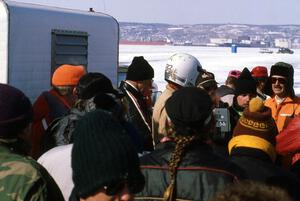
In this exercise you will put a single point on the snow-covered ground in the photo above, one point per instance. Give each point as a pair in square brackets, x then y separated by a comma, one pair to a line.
[218, 60]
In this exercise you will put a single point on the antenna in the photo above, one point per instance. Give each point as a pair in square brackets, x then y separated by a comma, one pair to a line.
[104, 6]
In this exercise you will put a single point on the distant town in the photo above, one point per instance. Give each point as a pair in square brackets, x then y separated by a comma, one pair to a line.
[242, 35]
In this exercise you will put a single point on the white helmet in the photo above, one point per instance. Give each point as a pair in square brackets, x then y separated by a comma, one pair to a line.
[183, 69]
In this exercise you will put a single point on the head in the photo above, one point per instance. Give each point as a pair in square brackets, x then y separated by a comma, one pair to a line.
[233, 75]
[65, 78]
[282, 79]
[256, 129]
[104, 162]
[245, 88]
[182, 70]
[140, 73]
[89, 86]
[16, 113]
[190, 111]
[252, 191]
[207, 82]
[260, 74]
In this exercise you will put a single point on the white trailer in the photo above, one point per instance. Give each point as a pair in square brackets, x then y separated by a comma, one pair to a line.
[35, 39]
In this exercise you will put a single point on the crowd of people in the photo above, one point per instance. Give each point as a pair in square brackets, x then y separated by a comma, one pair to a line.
[84, 140]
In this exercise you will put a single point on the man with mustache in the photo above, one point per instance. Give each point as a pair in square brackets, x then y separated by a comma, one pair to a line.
[284, 104]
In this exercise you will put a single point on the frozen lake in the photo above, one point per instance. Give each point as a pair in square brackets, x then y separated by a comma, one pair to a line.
[218, 60]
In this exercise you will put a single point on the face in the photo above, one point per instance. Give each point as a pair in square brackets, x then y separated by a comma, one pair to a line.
[215, 99]
[145, 87]
[279, 85]
[244, 99]
[122, 195]
[261, 83]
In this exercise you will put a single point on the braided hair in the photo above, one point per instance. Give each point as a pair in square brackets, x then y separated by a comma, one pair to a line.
[181, 143]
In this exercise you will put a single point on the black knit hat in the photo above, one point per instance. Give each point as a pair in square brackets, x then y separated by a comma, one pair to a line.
[15, 111]
[189, 107]
[103, 155]
[285, 70]
[139, 70]
[92, 83]
[245, 84]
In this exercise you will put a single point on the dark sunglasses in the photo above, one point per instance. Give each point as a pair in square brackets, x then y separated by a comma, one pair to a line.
[279, 79]
[116, 188]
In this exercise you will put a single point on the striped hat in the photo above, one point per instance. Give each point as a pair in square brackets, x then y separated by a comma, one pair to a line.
[255, 129]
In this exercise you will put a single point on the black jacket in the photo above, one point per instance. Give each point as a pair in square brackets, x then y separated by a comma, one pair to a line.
[258, 167]
[200, 175]
[137, 113]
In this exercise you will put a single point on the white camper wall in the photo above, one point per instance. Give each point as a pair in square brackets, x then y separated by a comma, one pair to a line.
[3, 42]
[30, 43]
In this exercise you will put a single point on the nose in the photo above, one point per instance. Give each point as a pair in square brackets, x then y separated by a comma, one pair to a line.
[124, 195]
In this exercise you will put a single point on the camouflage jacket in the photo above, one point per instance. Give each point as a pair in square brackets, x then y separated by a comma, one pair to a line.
[23, 179]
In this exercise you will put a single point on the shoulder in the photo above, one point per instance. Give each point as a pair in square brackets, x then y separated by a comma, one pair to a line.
[19, 175]
[55, 154]
[19, 164]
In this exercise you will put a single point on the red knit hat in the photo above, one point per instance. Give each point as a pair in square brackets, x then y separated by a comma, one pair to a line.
[67, 75]
[259, 71]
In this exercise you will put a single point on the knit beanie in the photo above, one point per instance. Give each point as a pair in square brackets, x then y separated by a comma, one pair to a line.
[139, 70]
[67, 75]
[255, 129]
[15, 111]
[103, 155]
[189, 107]
[206, 80]
[245, 84]
[259, 72]
[286, 70]
[92, 83]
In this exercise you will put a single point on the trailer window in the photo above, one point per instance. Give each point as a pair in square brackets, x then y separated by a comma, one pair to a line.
[69, 47]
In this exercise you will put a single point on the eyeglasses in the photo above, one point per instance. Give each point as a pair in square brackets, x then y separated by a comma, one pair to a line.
[279, 79]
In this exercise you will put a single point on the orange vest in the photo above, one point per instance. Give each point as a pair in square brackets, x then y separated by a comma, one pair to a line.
[283, 112]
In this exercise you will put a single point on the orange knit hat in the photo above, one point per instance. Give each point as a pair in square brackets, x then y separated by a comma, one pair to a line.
[67, 75]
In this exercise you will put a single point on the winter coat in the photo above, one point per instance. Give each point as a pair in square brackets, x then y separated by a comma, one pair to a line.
[200, 175]
[62, 173]
[159, 118]
[259, 167]
[24, 179]
[137, 113]
[48, 106]
[60, 131]
[235, 113]
[283, 112]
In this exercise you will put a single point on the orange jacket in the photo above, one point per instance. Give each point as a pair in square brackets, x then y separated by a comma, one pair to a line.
[283, 112]
[48, 106]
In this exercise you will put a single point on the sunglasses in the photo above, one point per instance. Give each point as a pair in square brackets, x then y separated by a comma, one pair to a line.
[279, 79]
[116, 188]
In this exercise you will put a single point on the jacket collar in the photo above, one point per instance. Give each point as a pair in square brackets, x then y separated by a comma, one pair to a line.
[130, 88]
[250, 152]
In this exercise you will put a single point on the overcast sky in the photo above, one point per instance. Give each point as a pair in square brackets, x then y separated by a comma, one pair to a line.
[190, 11]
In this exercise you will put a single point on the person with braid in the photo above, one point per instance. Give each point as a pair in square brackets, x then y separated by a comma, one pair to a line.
[185, 167]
